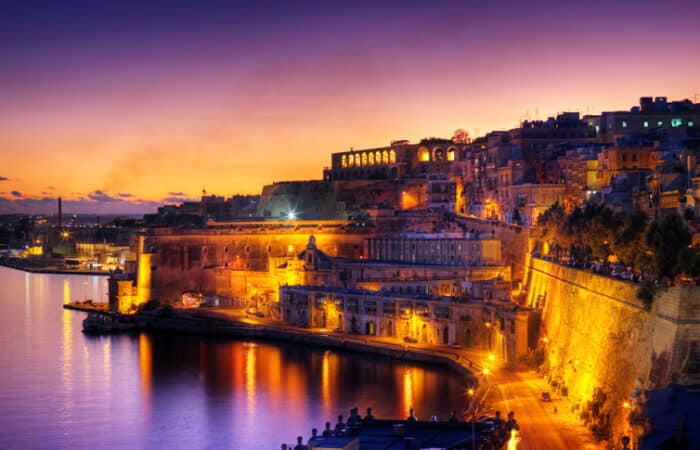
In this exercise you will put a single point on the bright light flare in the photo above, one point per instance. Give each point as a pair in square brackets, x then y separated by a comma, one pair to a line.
[514, 439]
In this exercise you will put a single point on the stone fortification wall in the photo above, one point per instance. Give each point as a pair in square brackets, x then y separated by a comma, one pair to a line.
[185, 261]
[602, 347]
[514, 241]
[308, 200]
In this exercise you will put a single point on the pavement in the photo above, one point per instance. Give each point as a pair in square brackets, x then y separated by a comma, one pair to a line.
[501, 388]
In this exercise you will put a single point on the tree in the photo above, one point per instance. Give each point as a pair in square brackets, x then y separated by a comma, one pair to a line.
[461, 136]
[666, 239]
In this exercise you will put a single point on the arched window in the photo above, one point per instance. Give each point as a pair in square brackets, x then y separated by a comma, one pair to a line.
[351, 160]
[385, 157]
[370, 158]
[392, 157]
[357, 160]
[451, 153]
[364, 159]
[378, 157]
[344, 161]
[423, 154]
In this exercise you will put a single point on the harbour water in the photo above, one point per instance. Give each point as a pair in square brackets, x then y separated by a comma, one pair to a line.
[62, 389]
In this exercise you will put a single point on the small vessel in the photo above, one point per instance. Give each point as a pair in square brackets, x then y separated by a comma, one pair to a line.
[108, 323]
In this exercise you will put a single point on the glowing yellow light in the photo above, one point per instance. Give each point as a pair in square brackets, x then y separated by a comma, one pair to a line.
[488, 324]
[492, 357]
[65, 234]
[486, 371]
[514, 439]
[545, 339]
[470, 392]
[626, 405]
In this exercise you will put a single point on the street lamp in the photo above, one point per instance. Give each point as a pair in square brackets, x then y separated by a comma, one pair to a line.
[471, 399]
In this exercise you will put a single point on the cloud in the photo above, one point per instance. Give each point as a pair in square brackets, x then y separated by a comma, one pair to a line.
[178, 199]
[4, 178]
[50, 188]
[16, 193]
[125, 195]
[176, 194]
[99, 196]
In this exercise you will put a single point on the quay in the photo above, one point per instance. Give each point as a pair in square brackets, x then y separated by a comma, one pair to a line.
[53, 269]
[495, 388]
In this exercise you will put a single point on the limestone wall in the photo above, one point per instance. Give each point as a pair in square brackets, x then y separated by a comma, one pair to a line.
[601, 344]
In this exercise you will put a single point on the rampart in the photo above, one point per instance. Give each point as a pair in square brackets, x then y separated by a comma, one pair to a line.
[603, 347]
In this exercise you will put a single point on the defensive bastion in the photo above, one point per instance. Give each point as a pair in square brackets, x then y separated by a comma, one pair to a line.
[603, 348]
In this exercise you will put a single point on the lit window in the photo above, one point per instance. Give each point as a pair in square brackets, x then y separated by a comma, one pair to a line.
[344, 161]
[624, 124]
[691, 123]
[646, 124]
[676, 122]
[659, 123]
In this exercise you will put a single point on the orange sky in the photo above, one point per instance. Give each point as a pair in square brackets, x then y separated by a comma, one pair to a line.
[150, 120]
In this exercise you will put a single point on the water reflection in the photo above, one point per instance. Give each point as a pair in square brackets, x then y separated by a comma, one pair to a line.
[62, 389]
[250, 375]
[146, 369]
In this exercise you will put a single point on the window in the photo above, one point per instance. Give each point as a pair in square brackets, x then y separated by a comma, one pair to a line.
[676, 122]
[660, 123]
[624, 124]
[646, 124]
[690, 123]
[344, 161]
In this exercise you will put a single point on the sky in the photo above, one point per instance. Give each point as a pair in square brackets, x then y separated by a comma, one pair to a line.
[120, 106]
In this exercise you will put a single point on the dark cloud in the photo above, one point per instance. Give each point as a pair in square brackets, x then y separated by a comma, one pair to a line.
[50, 188]
[99, 196]
[4, 178]
[178, 199]
[16, 193]
[125, 195]
[176, 194]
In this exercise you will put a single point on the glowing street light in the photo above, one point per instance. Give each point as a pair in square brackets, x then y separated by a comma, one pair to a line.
[492, 357]
[291, 215]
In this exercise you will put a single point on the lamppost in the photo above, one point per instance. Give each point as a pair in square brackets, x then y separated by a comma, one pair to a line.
[471, 400]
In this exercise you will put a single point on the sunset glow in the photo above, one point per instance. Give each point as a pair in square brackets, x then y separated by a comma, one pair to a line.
[133, 106]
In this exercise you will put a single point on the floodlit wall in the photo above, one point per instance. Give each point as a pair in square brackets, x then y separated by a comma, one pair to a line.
[601, 344]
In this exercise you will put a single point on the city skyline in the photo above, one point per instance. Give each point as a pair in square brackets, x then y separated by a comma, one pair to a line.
[119, 111]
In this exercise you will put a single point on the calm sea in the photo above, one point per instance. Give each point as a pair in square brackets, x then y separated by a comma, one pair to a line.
[62, 389]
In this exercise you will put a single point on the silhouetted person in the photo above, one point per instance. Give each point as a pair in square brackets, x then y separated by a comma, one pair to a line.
[512, 423]
[284, 446]
[453, 417]
[299, 445]
[411, 417]
[314, 435]
[369, 417]
[328, 431]
[339, 426]
[354, 418]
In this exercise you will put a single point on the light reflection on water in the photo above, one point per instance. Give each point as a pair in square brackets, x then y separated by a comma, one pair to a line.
[62, 389]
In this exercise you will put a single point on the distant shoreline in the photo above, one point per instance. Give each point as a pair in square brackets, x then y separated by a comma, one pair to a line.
[57, 271]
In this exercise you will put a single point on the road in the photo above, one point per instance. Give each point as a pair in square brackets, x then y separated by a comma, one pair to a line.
[519, 391]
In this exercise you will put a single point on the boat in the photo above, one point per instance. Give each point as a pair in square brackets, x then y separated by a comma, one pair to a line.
[96, 323]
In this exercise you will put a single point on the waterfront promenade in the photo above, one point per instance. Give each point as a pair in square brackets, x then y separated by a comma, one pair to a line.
[499, 388]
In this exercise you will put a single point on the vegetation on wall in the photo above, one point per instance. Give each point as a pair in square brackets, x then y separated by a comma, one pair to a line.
[594, 233]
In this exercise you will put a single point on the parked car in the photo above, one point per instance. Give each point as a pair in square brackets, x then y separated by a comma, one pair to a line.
[409, 339]
[254, 312]
[546, 397]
